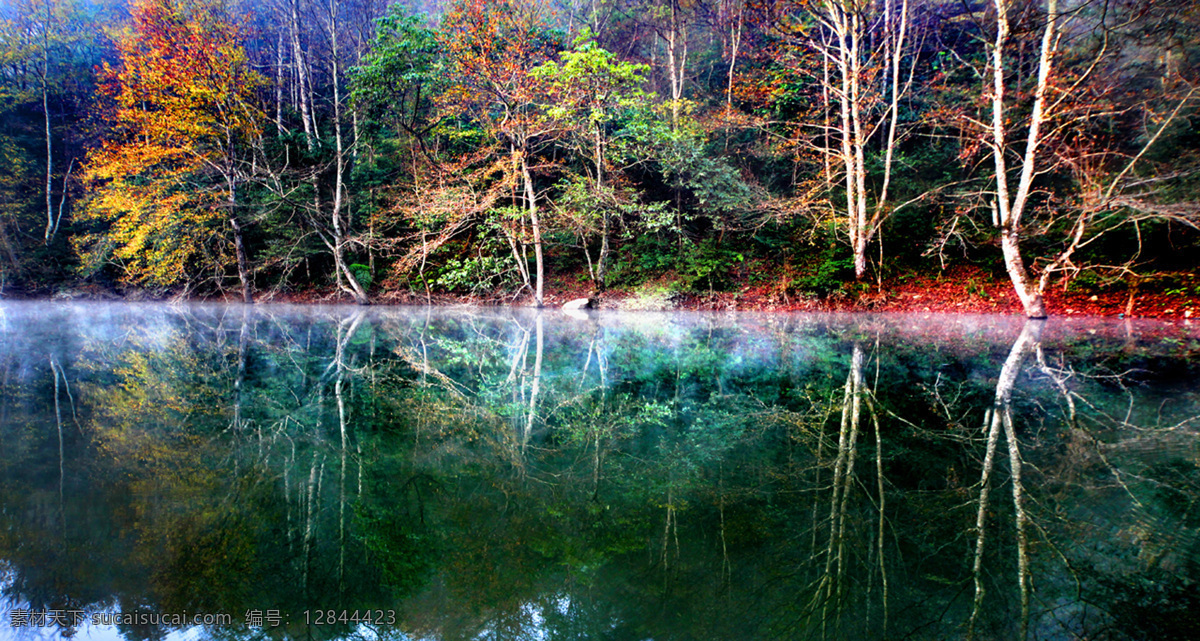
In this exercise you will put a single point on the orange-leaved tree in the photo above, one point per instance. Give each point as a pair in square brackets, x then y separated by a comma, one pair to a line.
[491, 48]
[183, 124]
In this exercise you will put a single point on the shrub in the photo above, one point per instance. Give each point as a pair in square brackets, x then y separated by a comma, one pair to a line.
[362, 274]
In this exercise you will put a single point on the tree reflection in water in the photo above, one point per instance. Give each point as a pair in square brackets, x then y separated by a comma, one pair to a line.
[511, 474]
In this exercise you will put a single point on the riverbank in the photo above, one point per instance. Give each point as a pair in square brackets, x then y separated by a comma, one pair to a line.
[962, 290]
[959, 289]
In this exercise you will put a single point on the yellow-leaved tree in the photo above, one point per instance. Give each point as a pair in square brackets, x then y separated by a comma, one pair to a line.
[183, 125]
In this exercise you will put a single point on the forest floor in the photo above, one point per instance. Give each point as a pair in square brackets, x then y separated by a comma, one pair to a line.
[958, 289]
[967, 290]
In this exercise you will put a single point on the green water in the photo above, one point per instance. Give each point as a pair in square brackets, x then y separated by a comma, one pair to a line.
[322, 473]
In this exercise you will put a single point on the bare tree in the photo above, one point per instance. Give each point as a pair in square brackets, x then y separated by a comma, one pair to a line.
[1009, 207]
[865, 46]
[303, 82]
[339, 213]
[51, 223]
[1062, 107]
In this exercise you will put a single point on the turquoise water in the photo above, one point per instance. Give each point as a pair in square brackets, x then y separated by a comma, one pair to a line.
[328, 472]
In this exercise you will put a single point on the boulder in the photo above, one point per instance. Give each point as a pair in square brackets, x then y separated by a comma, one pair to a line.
[578, 303]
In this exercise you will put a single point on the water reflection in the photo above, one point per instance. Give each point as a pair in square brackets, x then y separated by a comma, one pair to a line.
[510, 474]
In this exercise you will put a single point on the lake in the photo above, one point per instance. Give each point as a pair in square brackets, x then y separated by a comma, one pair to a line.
[277, 472]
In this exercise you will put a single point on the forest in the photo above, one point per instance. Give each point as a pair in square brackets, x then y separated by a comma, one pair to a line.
[515, 151]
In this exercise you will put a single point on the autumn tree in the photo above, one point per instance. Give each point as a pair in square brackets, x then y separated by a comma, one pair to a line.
[491, 50]
[393, 88]
[183, 124]
[866, 68]
[1048, 124]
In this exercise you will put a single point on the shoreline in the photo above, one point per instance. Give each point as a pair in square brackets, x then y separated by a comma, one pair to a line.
[1111, 305]
[956, 291]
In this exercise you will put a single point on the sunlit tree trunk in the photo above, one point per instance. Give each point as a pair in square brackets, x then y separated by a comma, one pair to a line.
[852, 57]
[736, 23]
[339, 239]
[513, 229]
[535, 223]
[1008, 208]
[602, 260]
[677, 52]
[51, 224]
[826, 129]
[298, 59]
[279, 83]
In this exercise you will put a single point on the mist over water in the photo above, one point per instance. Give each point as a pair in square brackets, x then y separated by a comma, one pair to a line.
[445, 473]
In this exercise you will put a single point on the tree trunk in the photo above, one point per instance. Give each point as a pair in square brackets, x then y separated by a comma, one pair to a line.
[1027, 291]
[847, 68]
[239, 245]
[531, 201]
[279, 83]
[863, 230]
[355, 289]
[1008, 209]
[601, 261]
[50, 226]
[851, 54]
[677, 47]
[735, 41]
[301, 75]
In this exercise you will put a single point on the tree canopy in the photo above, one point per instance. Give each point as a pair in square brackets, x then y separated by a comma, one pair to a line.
[183, 121]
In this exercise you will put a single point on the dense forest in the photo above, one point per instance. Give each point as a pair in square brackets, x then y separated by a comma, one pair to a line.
[503, 150]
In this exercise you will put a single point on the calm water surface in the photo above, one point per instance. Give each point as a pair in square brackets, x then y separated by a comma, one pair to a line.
[341, 473]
